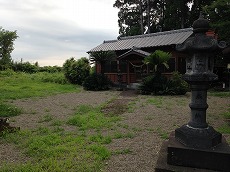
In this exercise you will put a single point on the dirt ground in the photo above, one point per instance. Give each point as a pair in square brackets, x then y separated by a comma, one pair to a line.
[146, 121]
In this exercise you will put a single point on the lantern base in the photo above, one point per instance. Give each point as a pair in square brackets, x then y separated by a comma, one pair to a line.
[200, 138]
[175, 157]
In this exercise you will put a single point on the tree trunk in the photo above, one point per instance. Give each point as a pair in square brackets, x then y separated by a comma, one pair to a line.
[148, 14]
[141, 17]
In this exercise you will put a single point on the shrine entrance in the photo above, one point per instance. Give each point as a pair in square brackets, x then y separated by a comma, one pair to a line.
[135, 69]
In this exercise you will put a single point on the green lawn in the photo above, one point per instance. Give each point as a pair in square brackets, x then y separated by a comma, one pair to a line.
[52, 148]
[21, 85]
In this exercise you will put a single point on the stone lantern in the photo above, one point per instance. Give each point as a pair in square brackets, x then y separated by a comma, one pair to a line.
[197, 144]
[199, 74]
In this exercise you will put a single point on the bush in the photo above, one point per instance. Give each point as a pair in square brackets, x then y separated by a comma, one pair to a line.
[57, 77]
[177, 86]
[96, 82]
[7, 110]
[25, 67]
[153, 84]
[159, 84]
[76, 71]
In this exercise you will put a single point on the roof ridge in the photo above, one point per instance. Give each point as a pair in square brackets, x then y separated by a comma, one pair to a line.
[109, 41]
[156, 34]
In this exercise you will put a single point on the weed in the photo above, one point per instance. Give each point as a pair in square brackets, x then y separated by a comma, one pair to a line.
[220, 94]
[149, 117]
[131, 106]
[56, 123]
[124, 151]
[225, 129]
[157, 101]
[101, 152]
[226, 115]
[137, 129]
[87, 117]
[162, 134]
[119, 135]
[7, 110]
[100, 139]
[46, 118]
[56, 152]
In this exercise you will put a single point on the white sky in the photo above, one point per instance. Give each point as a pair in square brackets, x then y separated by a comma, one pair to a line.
[51, 31]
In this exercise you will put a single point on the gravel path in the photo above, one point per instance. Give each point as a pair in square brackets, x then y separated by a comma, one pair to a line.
[146, 122]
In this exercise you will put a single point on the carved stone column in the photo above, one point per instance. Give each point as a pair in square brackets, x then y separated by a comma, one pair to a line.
[199, 74]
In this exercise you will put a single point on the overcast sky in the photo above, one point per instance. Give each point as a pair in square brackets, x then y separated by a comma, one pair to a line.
[51, 31]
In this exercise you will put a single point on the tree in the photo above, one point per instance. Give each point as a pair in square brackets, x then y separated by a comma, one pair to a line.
[145, 16]
[196, 8]
[101, 57]
[76, 71]
[176, 15]
[135, 16]
[218, 12]
[7, 39]
[158, 58]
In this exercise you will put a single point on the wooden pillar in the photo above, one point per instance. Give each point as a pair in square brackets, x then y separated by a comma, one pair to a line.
[128, 75]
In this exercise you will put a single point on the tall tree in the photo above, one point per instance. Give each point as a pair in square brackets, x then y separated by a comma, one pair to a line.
[176, 15]
[136, 16]
[7, 39]
[145, 16]
[219, 15]
[196, 7]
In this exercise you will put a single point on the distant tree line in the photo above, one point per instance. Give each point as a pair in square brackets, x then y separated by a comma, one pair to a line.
[148, 16]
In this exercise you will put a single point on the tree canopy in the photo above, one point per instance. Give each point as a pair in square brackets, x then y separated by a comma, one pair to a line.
[7, 39]
[101, 57]
[145, 16]
[219, 14]
[158, 58]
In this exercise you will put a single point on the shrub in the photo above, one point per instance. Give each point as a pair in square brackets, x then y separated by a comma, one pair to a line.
[153, 84]
[159, 84]
[25, 67]
[96, 82]
[57, 77]
[177, 86]
[7, 110]
[76, 71]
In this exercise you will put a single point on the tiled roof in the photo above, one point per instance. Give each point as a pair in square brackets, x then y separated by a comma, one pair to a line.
[135, 51]
[148, 40]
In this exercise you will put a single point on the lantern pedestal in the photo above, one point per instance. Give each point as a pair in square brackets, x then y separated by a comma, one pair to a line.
[176, 157]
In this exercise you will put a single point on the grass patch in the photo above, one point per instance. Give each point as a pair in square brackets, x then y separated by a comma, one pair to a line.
[119, 135]
[225, 129]
[226, 114]
[7, 110]
[157, 101]
[56, 123]
[56, 151]
[100, 139]
[131, 106]
[88, 117]
[46, 118]
[220, 94]
[163, 134]
[21, 85]
[122, 152]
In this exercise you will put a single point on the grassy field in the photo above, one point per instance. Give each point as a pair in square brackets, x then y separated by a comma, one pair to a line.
[52, 148]
[21, 85]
